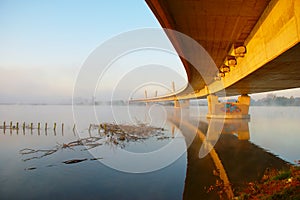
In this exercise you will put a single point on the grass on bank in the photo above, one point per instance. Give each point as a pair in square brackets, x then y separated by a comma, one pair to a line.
[277, 185]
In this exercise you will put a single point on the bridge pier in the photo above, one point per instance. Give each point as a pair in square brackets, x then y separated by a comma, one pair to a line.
[228, 110]
[239, 127]
[181, 104]
[176, 103]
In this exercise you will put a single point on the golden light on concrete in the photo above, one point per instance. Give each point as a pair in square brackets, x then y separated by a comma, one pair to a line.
[221, 74]
[240, 51]
[225, 69]
[231, 61]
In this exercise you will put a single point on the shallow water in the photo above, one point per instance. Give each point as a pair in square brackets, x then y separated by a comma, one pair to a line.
[159, 169]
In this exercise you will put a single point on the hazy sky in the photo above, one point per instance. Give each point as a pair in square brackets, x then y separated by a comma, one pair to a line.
[43, 44]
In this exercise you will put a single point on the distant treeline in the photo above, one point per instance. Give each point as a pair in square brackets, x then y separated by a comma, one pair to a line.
[269, 100]
[273, 100]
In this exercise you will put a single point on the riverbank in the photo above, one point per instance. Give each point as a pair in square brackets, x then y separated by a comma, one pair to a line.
[284, 184]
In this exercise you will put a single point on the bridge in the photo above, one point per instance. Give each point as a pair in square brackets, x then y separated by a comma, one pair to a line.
[254, 45]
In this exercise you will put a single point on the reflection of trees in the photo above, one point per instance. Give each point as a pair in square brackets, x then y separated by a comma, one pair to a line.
[108, 134]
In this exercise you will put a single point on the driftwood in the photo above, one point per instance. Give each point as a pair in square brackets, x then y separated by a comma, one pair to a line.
[74, 161]
[163, 138]
[30, 168]
[33, 151]
[109, 134]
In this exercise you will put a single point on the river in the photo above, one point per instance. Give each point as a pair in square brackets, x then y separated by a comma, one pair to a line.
[163, 165]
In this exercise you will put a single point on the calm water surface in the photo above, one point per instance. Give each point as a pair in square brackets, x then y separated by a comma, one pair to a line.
[244, 151]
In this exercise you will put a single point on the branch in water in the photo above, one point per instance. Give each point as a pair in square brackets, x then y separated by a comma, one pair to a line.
[112, 134]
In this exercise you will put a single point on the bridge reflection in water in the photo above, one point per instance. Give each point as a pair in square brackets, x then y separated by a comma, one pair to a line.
[232, 161]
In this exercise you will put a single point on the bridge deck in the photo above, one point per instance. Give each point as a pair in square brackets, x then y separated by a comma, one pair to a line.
[270, 29]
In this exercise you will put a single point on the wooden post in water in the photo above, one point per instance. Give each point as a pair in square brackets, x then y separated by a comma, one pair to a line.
[39, 127]
[31, 126]
[17, 127]
[54, 128]
[10, 127]
[46, 128]
[104, 127]
[173, 131]
[99, 128]
[4, 127]
[74, 130]
[62, 128]
[23, 128]
[90, 127]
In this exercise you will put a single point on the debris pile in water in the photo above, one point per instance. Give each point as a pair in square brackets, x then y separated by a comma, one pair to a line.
[108, 133]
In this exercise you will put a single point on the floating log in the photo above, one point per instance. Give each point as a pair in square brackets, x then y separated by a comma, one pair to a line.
[74, 161]
[96, 158]
[30, 168]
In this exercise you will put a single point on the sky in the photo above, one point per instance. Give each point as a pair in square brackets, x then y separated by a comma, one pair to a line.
[44, 44]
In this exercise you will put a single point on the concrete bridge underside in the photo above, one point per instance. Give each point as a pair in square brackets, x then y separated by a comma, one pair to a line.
[269, 29]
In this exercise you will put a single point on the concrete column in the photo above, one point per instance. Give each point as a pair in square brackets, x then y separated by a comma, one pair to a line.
[238, 110]
[244, 99]
[176, 104]
[182, 103]
[244, 135]
[212, 100]
[186, 103]
[244, 103]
